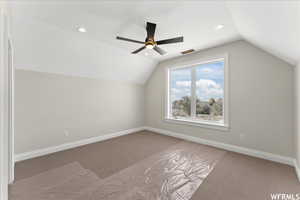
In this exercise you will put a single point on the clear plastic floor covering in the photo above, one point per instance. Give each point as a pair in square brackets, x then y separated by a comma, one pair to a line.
[174, 174]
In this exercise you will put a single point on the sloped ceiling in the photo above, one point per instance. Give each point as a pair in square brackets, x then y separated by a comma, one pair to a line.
[273, 26]
[46, 38]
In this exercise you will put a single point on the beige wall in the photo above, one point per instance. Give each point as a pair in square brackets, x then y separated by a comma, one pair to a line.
[260, 99]
[48, 104]
[261, 90]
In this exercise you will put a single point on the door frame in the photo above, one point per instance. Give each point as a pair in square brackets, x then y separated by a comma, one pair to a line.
[11, 113]
[3, 107]
[6, 105]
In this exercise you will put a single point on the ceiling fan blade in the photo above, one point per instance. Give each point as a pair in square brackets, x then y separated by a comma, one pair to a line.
[138, 50]
[129, 40]
[150, 29]
[159, 50]
[169, 41]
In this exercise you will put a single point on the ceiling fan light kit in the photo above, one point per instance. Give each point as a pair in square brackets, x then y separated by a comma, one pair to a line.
[150, 43]
[149, 46]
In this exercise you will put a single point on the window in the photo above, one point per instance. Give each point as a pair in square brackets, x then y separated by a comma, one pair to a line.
[197, 94]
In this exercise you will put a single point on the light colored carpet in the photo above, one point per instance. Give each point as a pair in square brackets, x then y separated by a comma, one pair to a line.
[104, 158]
[146, 165]
[175, 173]
[29, 187]
[70, 189]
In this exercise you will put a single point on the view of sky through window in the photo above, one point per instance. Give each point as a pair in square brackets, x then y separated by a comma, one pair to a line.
[209, 91]
[210, 81]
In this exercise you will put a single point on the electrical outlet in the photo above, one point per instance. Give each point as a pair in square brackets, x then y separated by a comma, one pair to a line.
[66, 133]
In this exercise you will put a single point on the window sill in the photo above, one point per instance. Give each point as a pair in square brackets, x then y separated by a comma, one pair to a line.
[209, 125]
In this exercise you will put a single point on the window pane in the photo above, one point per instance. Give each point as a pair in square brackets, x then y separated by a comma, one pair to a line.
[210, 91]
[180, 93]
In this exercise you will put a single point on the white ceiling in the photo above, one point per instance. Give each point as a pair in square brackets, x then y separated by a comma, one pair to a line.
[273, 26]
[46, 38]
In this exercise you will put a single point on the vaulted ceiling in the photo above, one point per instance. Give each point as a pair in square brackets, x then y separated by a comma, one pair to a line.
[46, 38]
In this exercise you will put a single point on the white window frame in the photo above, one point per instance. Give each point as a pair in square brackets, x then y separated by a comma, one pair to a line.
[191, 64]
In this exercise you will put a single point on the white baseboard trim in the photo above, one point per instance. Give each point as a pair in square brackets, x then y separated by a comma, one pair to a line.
[70, 145]
[297, 168]
[229, 147]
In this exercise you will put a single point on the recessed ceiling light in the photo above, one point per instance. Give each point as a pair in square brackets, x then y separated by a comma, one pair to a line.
[81, 29]
[146, 53]
[219, 27]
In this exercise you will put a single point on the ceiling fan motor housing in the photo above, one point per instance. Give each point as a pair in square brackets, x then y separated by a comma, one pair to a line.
[150, 41]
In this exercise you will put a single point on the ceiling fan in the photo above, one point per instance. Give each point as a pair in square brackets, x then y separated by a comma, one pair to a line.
[150, 43]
